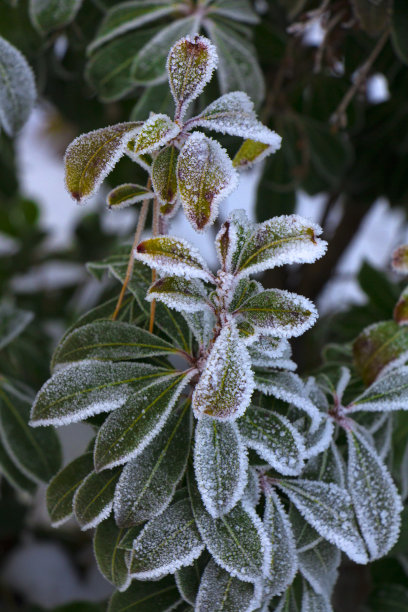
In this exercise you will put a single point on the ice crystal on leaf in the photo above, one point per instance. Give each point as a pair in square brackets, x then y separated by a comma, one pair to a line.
[319, 566]
[231, 239]
[190, 65]
[127, 194]
[110, 558]
[164, 179]
[205, 178]
[156, 131]
[226, 383]
[179, 293]
[221, 465]
[389, 392]
[93, 499]
[314, 602]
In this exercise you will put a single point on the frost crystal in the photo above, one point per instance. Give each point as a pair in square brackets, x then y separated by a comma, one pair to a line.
[274, 439]
[220, 591]
[127, 194]
[234, 114]
[328, 509]
[205, 178]
[231, 238]
[190, 65]
[226, 384]
[319, 566]
[155, 132]
[389, 392]
[166, 543]
[179, 293]
[375, 497]
[221, 465]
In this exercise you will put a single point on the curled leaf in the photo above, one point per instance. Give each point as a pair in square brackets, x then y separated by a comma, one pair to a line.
[179, 293]
[127, 194]
[250, 153]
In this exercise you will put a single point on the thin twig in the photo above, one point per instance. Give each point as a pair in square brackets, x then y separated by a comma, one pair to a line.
[339, 116]
[155, 228]
[139, 229]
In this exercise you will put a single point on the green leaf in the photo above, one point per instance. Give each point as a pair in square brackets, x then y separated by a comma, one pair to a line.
[173, 256]
[174, 326]
[239, 10]
[226, 383]
[288, 602]
[17, 88]
[149, 65]
[109, 68]
[399, 30]
[167, 543]
[221, 464]
[319, 566]
[373, 16]
[48, 15]
[90, 157]
[279, 241]
[185, 295]
[111, 341]
[190, 65]
[188, 578]
[231, 239]
[243, 290]
[128, 430]
[279, 313]
[87, 388]
[249, 153]
[127, 194]
[157, 130]
[93, 499]
[375, 496]
[129, 16]
[274, 439]
[314, 602]
[237, 541]
[109, 557]
[12, 322]
[148, 483]
[159, 596]
[284, 564]
[221, 591]
[377, 346]
[36, 453]
[238, 68]
[15, 477]
[205, 178]
[164, 179]
[328, 508]
[389, 392]
[62, 488]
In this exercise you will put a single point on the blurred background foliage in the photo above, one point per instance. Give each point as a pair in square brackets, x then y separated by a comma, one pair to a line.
[102, 62]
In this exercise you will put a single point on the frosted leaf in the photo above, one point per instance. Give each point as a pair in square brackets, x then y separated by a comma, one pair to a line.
[319, 566]
[305, 536]
[12, 322]
[109, 557]
[400, 313]
[269, 352]
[231, 239]
[279, 313]
[247, 332]
[147, 484]
[376, 501]
[252, 492]
[166, 543]
[190, 65]
[251, 152]
[160, 595]
[128, 430]
[342, 382]
[202, 325]
[326, 466]
[173, 256]
[110, 341]
[94, 498]
[156, 131]
[128, 16]
[221, 464]
[389, 392]
[127, 194]
[234, 114]
[237, 541]
[290, 388]
[221, 591]
[61, 490]
[164, 179]
[149, 65]
[17, 88]
[182, 294]
[239, 10]
[400, 259]
[281, 240]
[328, 508]
[274, 439]
[48, 15]
[14, 476]
[188, 578]
[205, 178]
[382, 438]
[90, 387]
[283, 550]
[314, 602]
[226, 383]
[287, 602]
[90, 157]
[243, 290]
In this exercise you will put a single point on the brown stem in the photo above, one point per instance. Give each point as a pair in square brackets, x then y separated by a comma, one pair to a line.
[139, 229]
[155, 228]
